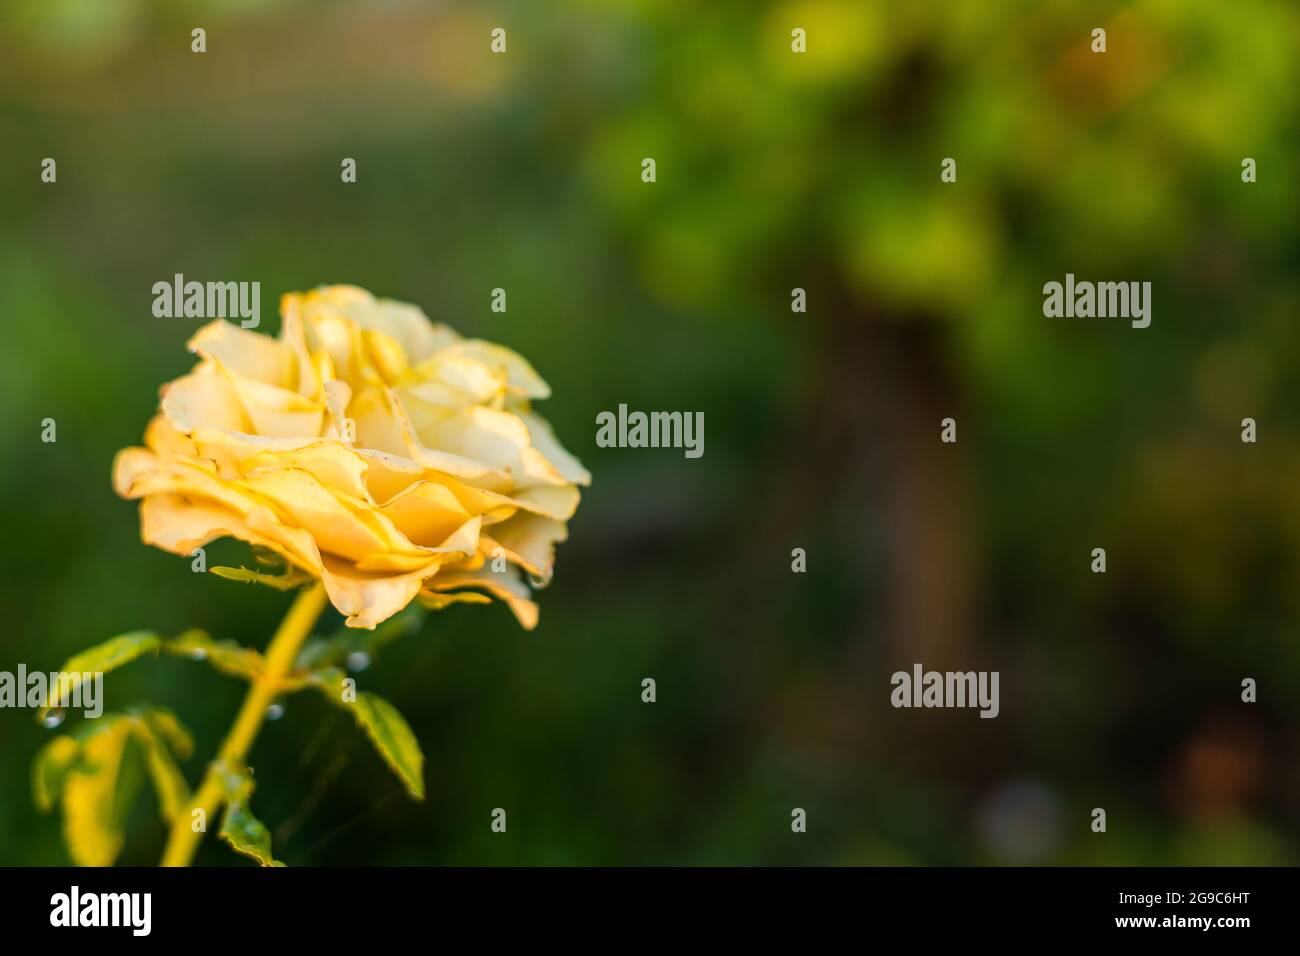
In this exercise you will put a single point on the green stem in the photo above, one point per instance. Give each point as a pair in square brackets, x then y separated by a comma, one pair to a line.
[280, 655]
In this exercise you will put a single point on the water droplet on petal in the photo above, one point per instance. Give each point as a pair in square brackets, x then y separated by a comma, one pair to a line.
[54, 718]
[198, 654]
[275, 711]
[538, 581]
[358, 661]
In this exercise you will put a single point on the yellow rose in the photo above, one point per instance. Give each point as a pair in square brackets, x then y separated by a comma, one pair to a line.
[367, 446]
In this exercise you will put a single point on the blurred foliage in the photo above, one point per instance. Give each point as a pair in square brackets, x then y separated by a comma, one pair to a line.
[774, 170]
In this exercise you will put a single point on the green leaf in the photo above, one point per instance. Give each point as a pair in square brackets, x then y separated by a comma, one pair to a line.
[244, 832]
[168, 782]
[96, 773]
[228, 657]
[386, 728]
[101, 658]
[50, 768]
[97, 794]
[292, 578]
[164, 724]
[158, 730]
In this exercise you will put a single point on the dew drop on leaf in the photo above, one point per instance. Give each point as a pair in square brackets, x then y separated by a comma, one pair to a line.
[358, 661]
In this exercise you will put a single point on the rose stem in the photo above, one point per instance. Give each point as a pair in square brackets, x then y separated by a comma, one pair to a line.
[280, 655]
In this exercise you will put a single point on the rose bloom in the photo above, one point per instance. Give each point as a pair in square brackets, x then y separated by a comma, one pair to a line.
[367, 446]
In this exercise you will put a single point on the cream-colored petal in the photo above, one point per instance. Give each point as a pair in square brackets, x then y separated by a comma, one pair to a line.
[436, 602]
[392, 562]
[274, 411]
[386, 355]
[333, 465]
[310, 374]
[204, 399]
[426, 512]
[464, 540]
[161, 437]
[139, 473]
[128, 465]
[340, 340]
[459, 466]
[377, 428]
[387, 475]
[303, 502]
[522, 379]
[492, 505]
[534, 469]
[529, 540]
[505, 585]
[479, 434]
[298, 542]
[231, 450]
[548, 501]
[450, 380]
[338, 396]
[544, 440]
[368, 599]
[250, 354]
[179, 525]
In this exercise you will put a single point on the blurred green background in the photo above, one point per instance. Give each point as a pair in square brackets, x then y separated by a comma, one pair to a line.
[775, 171]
